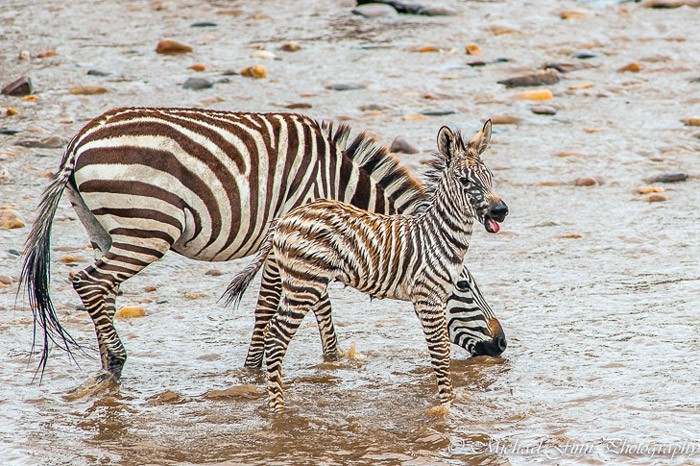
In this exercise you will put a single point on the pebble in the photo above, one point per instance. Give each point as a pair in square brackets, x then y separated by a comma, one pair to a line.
[150, 289]
[668, 178]
[97, 73]
[214, 273]
[170, 47]
[51, 142]
[6, 280]
[5, 175]
[19, 87]
[650, 189]
[401, 145]
[46, 54]
[564, 66]
[345, 87]
[534, 79]
[262, 54]
[472, 49]
[655, 197]
[130, 312]
[10, 218]
[437, 112]
[505, 120]
[9, 111]
[500, 30]
[87, 90]
[375, 10]
[197, 67]
[672, 3]
[197, 84]
[691, 121]
[542, 94]
[633, 67]
[290, 46]
[14, 252]
[413, 117]
[543, 110]
[574, 14]
[9, 131]
[23, 55]
[193, 295]
[577, 87]
[255, 71]
[203, 24]
[586, 54]
[298, 105]
[68, 259]
[586, 181]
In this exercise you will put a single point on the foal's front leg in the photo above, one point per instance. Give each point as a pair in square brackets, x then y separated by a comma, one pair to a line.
[432, 318]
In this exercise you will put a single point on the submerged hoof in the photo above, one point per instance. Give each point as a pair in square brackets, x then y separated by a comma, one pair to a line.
[98, 383]
[334, 356]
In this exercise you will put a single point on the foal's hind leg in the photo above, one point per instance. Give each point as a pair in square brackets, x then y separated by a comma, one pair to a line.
[268, 305]
[300, 298]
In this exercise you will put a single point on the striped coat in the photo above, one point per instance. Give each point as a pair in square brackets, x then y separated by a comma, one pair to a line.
[413, 258]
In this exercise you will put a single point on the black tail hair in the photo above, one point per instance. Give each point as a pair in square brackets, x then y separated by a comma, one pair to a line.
[36, 277]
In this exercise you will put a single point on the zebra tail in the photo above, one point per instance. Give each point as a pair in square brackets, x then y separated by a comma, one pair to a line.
[239, 284]
[36, 273]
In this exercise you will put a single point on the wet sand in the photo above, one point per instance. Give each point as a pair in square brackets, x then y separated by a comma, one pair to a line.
[596, 288]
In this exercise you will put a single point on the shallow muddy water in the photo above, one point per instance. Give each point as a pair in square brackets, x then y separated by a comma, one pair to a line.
[596, 288]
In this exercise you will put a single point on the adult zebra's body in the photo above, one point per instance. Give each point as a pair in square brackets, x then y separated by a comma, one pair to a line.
[204, 183]
[407, 257]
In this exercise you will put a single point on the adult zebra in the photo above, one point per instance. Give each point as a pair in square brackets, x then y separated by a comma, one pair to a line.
[205, 184]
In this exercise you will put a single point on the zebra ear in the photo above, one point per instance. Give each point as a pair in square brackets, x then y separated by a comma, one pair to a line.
[481, 140]
[447, 143]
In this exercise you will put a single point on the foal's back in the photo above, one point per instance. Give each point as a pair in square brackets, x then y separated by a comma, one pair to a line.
[328, 240]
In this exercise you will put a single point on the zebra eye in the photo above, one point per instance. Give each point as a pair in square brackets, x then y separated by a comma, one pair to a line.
[464, 180]
[462, 285]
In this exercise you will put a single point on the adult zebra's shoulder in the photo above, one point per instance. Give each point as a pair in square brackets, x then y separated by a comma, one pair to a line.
[407, 257]
[205, 184]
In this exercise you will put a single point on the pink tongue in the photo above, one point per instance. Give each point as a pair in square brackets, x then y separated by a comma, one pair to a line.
[494, 225]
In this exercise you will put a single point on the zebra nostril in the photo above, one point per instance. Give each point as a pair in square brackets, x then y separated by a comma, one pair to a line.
[499, 211]
[501, 343]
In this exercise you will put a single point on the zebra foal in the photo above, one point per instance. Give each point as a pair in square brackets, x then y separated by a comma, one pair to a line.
[413, 258]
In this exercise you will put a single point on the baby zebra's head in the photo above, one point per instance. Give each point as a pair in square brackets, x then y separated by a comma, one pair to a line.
[469, 177]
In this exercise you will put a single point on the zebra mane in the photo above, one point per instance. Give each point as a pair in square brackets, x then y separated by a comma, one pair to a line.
[379, 164]
[437, 166]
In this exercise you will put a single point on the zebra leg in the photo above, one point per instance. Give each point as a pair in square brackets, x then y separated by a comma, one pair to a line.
[97, 286]
[434, 323]
[267, 306]
[282, 329]
[329, 339]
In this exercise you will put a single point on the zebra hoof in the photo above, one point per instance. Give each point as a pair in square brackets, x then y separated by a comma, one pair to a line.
[98, 383]
[334, 356]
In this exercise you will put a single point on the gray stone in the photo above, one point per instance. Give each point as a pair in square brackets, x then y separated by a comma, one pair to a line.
[375, 10]
[345, 87]
[668, 178]
[533, 79]
[197, 84]
[9, 131]
[97, 73]
[51, 142]
[402, 145]
[437, 112]
[203, 24]
[543, 110]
